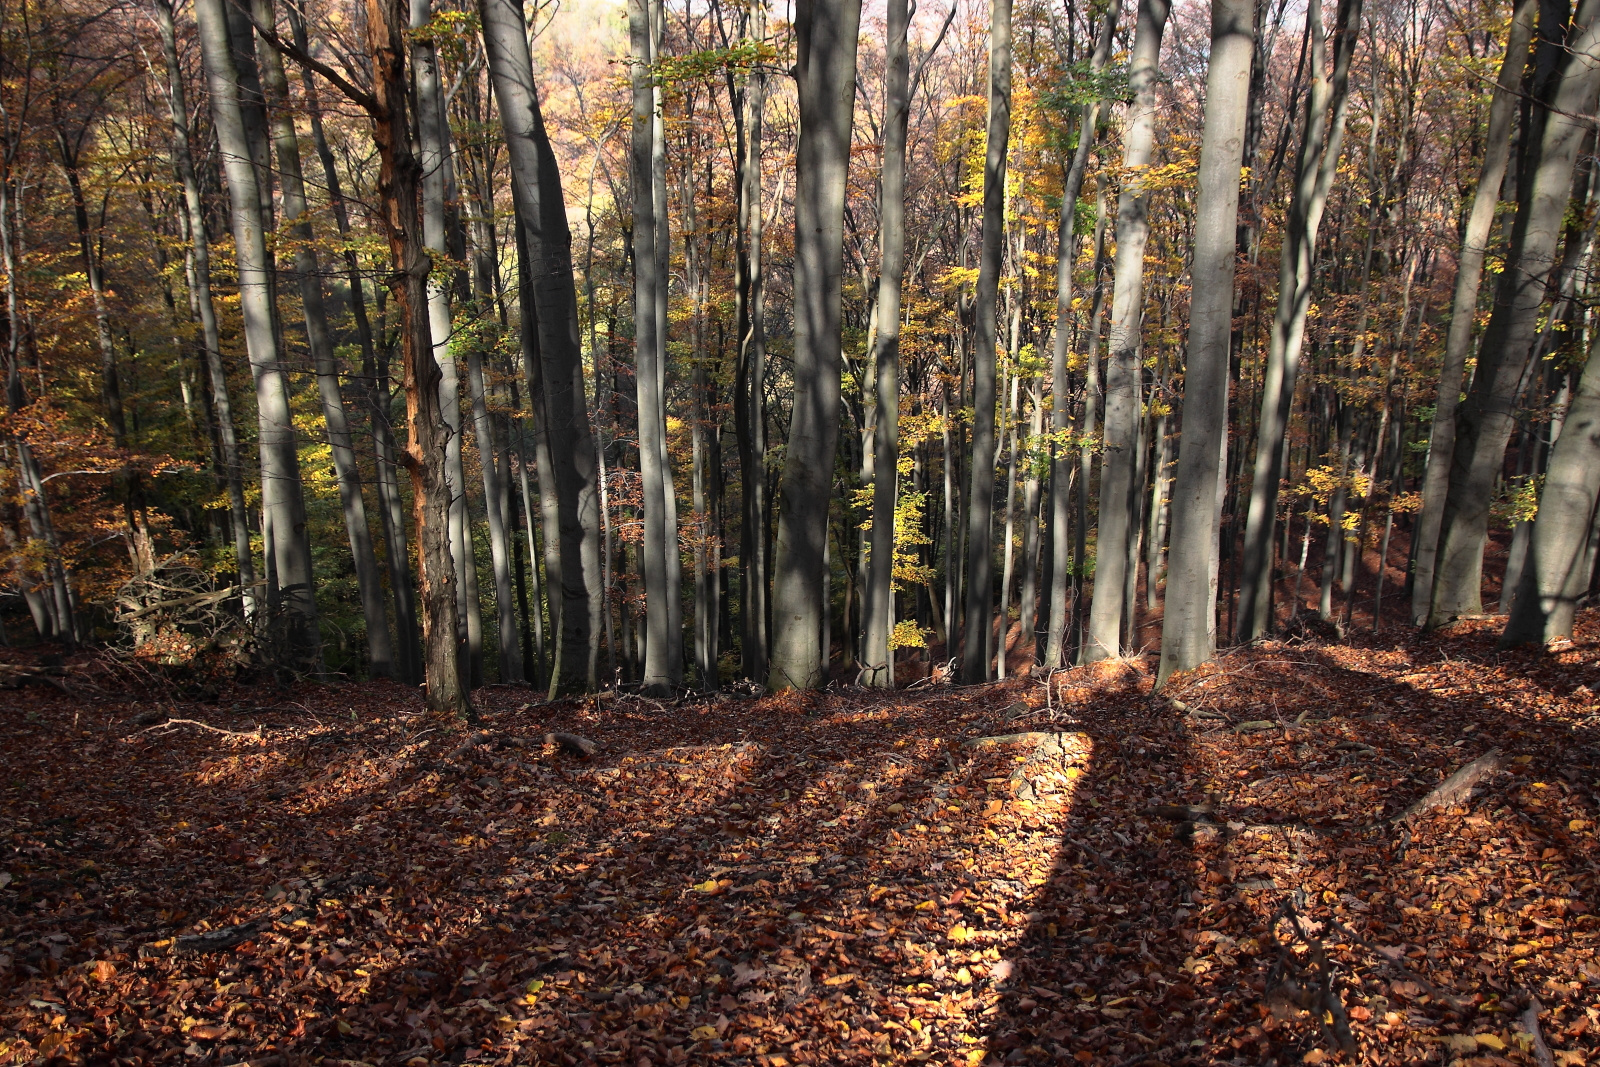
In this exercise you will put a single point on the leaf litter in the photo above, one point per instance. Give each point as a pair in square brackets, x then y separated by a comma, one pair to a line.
[1078, 872]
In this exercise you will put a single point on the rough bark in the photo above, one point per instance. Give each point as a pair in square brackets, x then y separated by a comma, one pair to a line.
[1118, 495]
[977, 647]
[1189, 629]
[826, 34]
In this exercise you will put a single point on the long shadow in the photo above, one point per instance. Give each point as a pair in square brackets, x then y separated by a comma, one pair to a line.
[1161, 943]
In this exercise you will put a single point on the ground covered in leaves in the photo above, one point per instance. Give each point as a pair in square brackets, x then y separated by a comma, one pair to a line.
[849, 877]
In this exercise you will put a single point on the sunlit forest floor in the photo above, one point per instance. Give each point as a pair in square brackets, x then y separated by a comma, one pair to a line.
[843, 877]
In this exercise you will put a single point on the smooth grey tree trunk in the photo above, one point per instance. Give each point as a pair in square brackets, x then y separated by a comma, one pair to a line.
[878, 597]
[553, 301]
[1315, 167]
[1093, 398]
[663, 671]
[1486, 418]
[1464, 308]
[1028, 611]
[433, 143]
[282, 499]
[508, 644]
[977, 651]
[1556, 576]
[319, 341]
[826, 34]
[1118, 495]
[750, 421]
[1188, 631]
[205, 306]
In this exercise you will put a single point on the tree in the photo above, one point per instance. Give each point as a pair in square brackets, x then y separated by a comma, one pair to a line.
[977, 649]
[282, 500]
[878, 602]
[1189, 627]
[826, 37]
[1119, 496]
[1486, 419]
[1463, 309]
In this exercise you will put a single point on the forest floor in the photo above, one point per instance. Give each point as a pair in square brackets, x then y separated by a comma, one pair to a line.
[817, 879]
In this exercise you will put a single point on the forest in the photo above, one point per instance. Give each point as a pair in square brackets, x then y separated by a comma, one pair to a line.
[682, 531]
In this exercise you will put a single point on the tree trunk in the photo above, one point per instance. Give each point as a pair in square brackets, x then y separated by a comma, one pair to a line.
[1189, 628]
[877, 602]
[282, 500]
[750, 417]
[200, 244]
[976, 650]
[550, 295]
[1464, 309]
[319, 340]
[1486, 418]
[1315, 167]
[1118, 500]
[826, 34]
[1060, 395]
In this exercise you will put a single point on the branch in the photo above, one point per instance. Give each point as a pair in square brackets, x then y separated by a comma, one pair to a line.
[365, 100]
[254, 735]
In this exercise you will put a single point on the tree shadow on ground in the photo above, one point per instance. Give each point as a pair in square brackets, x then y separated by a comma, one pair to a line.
[1148, 948]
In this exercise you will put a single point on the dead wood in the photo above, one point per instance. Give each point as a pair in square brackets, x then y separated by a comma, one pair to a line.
[572, 744]
[254, 735]
[1457, 787]
[1530, 1024]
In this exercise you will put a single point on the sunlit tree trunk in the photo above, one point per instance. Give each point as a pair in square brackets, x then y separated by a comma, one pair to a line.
[1315, 167]
[282, 500]
[826, 34]
[1464, 308]
[551, 297]
[319, 341]
[1486, 418]
[205, 306]
[877, 600]
[1189, 628]
[1118, 499]
[977, 652]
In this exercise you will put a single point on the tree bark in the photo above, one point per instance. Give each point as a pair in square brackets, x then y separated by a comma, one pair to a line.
[1118, 497]
[826, 34]
[1189, 628]
[282, 499]
[1315, 167]
[319, 341]
[977, 651]
[877, 602]
[553, 301]
[205, 306]
[1486, 418]
[1464, 308]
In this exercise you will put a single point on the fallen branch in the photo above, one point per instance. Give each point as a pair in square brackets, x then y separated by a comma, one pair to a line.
[1394, 961]
[1530, 1024]
[254, 735]
[1455, 788]
[572, 744]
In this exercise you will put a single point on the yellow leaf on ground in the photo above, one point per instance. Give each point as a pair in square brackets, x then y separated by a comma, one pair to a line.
[703, 1033]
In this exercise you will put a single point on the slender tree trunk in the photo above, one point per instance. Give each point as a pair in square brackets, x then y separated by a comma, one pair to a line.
[1028, 612]
[319, 340]
[205, 307]
[1463, 311]
[1118, 502]
[1315, 167]
[433, 143]
[662, 672]
[976, 651]
[550, 296]
[1485, 419]
[826, 34]
[282, 500]
[1093, 397]
[1188, 630]
[750, 383]
[877, 603]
